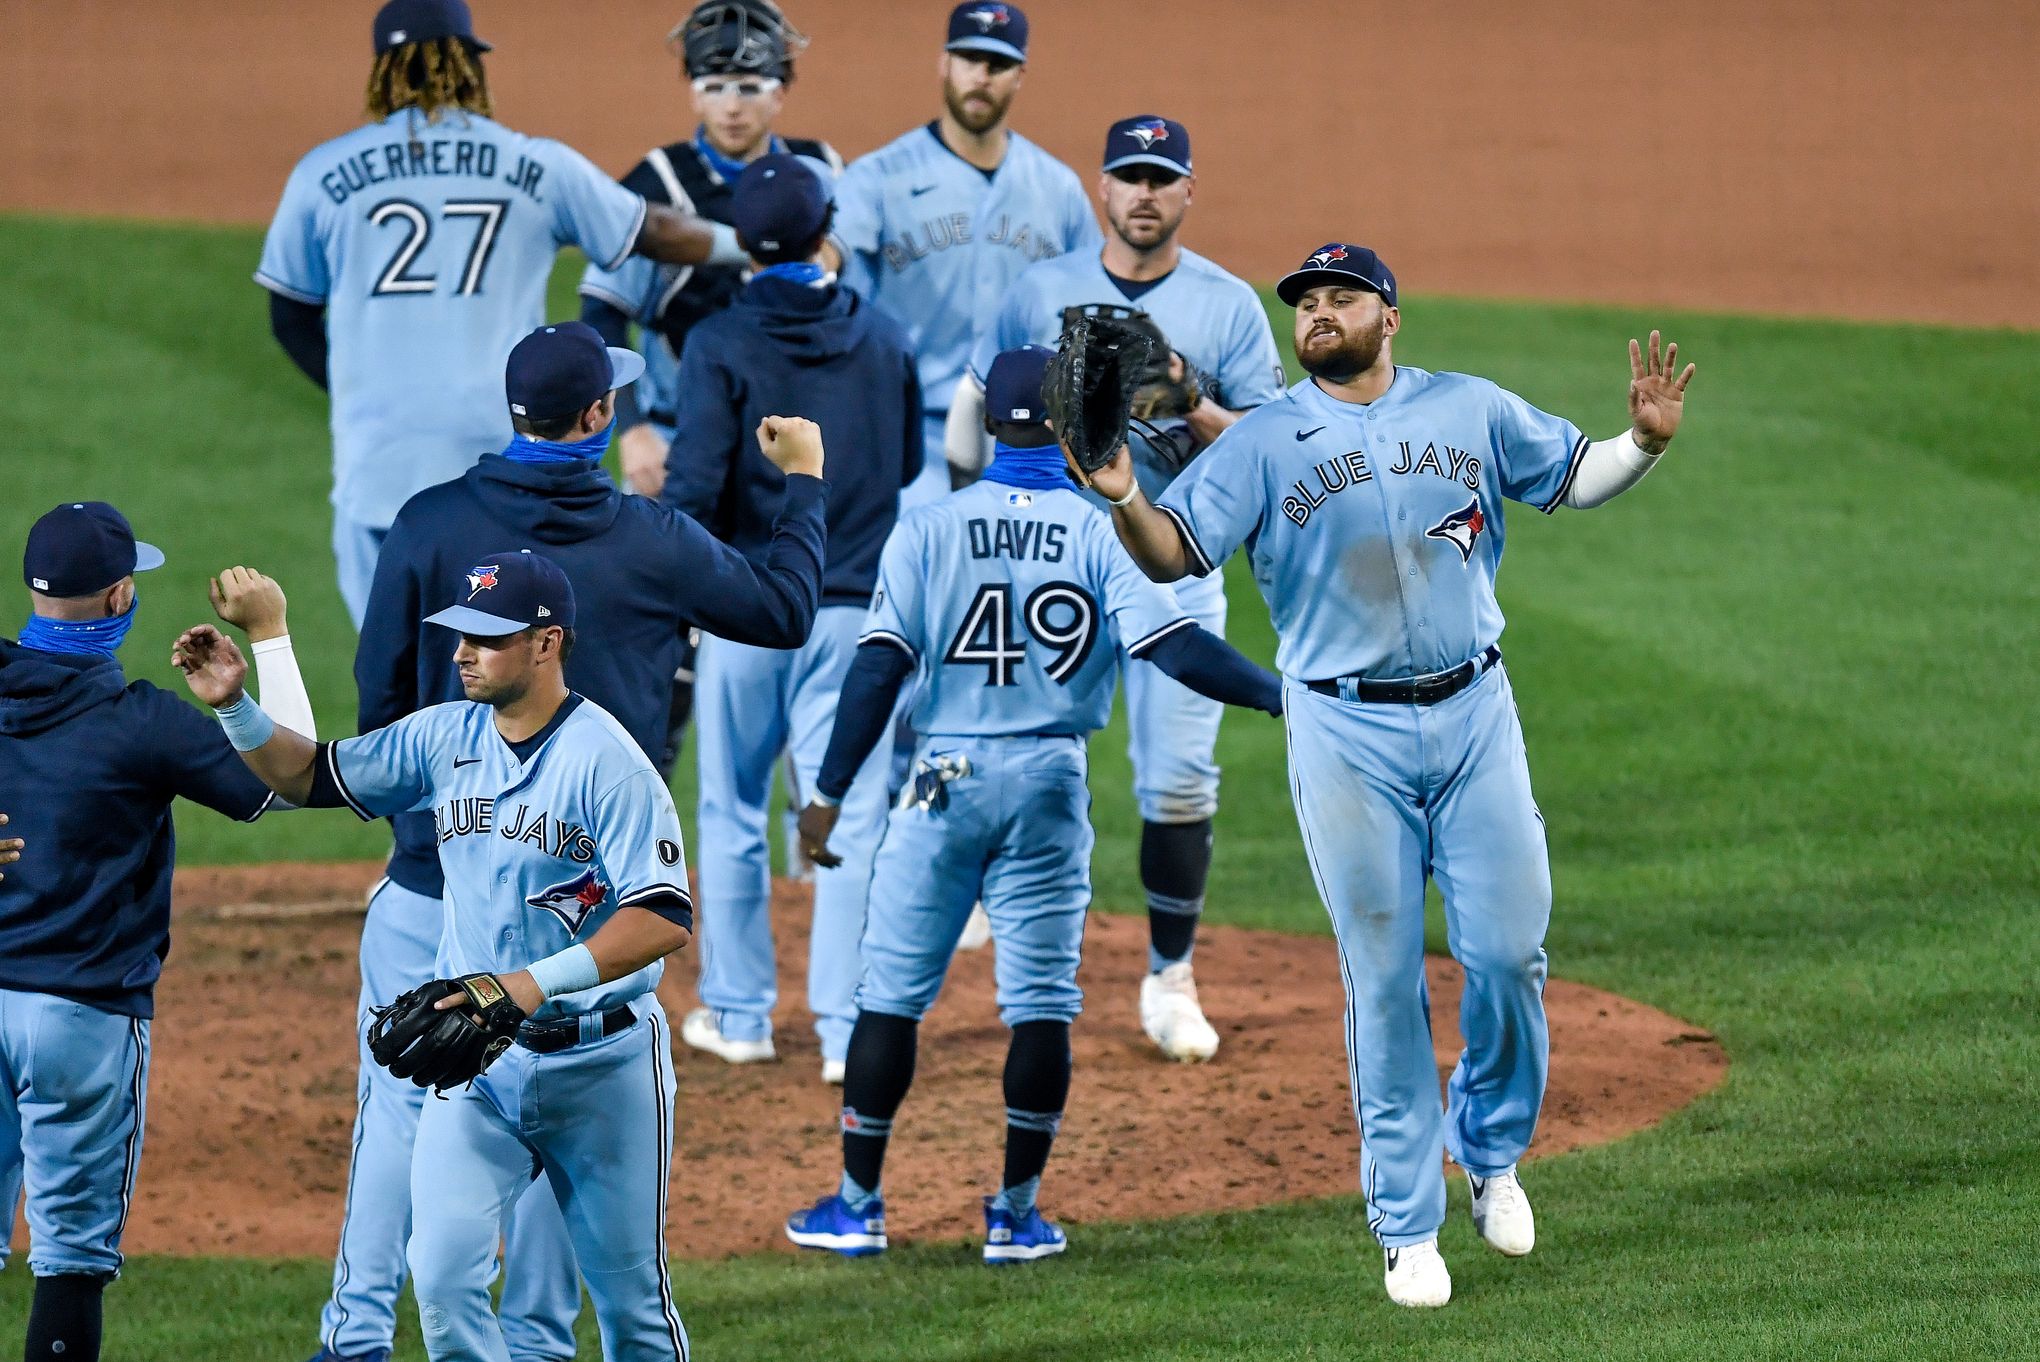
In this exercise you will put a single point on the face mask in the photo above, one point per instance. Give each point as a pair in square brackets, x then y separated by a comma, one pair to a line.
[94, 638]
[528, 449]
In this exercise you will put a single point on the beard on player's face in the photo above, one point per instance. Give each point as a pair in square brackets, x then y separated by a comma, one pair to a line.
[1146, 216]
[1340, 344]
[494, 672]
[978, 95]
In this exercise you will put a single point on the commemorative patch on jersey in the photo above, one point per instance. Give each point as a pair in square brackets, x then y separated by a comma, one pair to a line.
[1461, 529]
[572, 900]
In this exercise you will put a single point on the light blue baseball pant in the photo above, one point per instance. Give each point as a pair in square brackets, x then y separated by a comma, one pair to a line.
[74, 1084]
[10, 1192]
[541, 1293]
[1388, 795]
[355, 549]
[594, 1125]
[933, 483]
[1172, 731]
[1016, 835]
[750, 705]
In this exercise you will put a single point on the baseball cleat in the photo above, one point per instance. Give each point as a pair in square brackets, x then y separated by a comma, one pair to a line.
[1011, 1239]
[1172, 1018]
[832, 1072]
[831, 1224]
[699, 1030]
[977, 930]
[1416, 1275]
[1501, 1212]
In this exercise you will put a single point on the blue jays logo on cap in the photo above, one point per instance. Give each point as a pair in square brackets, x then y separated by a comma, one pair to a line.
[1342, 263]
[481, 579]
[1320, 259]
[996, 30]
[1149, 131]
[572, 900]
[989, 17]
[1461, 529]
[1148, 139]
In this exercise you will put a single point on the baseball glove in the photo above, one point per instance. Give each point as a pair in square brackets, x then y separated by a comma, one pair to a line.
[1158, 395]
[437, 1049]
[1099, 364]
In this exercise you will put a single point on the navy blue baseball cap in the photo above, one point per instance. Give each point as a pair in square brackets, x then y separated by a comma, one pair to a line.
[417, 21]
[778, 203]
[1338, 263]
[82, 547]
[996, 30]
[510, 591]
[1013, 387]
[561, 369]
[1148, 140]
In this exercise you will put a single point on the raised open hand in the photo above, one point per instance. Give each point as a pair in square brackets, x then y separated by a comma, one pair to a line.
[213, 667]
[1657, 399]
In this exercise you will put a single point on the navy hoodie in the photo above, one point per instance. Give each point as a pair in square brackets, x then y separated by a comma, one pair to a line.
[787, 349]
[89, 764]
[643, 574]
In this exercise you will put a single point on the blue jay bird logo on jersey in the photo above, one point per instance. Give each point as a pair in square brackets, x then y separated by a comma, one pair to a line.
[481, 579]
[1461, 529]
[989, 17]
[572, 900]
[1148, 133]
[1325, 257]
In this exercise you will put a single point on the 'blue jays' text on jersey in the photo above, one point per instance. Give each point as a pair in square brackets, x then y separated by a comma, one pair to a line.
[430, 245]
[936, 241]
[538, 854]
[1211, 318]
[1376, 530]
[1014, 604]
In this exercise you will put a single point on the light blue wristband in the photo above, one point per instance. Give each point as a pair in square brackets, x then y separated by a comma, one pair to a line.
[248, 725]
[570, 971]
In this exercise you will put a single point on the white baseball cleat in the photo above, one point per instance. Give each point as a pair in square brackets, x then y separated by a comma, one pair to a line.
[699, 1030]
[1170, 1015]
[977, 931]
[1501, 1212]
[832, 1072]
[1416, 1275]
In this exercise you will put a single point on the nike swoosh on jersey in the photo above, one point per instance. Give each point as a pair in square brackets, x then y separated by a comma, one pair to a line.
[918, 190]
[459, 762]
[1302, 435]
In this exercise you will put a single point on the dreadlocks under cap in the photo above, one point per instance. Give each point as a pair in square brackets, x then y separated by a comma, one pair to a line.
[432, 76]
[737, 37]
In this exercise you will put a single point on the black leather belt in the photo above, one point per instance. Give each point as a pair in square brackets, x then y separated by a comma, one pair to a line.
[1416, 690]
[547, 1038]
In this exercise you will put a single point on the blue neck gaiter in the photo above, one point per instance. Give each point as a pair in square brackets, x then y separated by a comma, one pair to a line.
[526, 449]
[796, 272]
[93, 638]
[722, 165]
[1042, 467]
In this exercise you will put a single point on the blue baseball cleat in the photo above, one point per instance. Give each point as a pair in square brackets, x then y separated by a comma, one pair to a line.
[831, 1224]
[1013, 1239]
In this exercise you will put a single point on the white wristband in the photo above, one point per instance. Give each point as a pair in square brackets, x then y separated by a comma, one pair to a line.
[570, 971]
[1126, 500]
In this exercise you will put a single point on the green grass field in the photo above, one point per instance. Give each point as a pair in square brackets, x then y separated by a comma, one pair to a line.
[1780, 705]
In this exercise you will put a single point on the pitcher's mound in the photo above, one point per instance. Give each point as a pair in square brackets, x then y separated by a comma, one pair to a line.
[252, 1093]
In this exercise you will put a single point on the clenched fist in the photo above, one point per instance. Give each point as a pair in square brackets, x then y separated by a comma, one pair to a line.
[792, 443]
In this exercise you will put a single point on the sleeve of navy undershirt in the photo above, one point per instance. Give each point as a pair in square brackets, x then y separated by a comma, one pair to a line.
[768, 607]
[1214, 668]
[863, 712]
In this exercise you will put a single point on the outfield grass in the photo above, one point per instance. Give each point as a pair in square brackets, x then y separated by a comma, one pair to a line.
[1780, 706]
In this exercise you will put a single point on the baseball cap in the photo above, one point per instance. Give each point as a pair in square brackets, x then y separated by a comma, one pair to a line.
[558, 370]
[1148, 140]
[1013, 386]
[510, 591]
[82, 547]
[1336, 262]
[417, 21]
[997, 30]
[778, 202]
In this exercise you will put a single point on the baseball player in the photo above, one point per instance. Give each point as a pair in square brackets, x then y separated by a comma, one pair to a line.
[738, 59]
[644, 574]
[407, 256]
[90, 764]
[793, 341]
[565, 891]
[935, 225]
[1216, 326]
[1008, 600]
[1370, 499]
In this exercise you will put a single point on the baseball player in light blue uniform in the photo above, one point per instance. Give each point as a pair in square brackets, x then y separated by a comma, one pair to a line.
[407, 256]
[564, 879]
[1371, 500]
[1009, 601]
[936, 224]
[1216, 323]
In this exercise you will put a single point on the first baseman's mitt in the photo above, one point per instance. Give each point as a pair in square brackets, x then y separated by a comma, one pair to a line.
[444, 1049]
[1100, 362]
[1158, 395]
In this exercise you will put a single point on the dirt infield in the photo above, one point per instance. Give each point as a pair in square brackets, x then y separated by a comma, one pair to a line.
[252, 1091]
[1870, 159]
